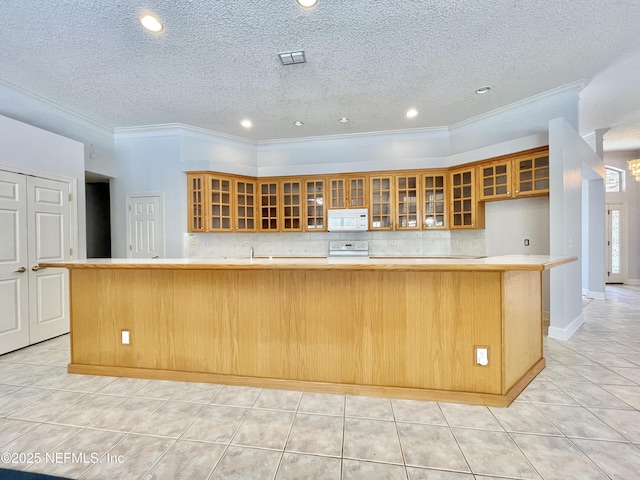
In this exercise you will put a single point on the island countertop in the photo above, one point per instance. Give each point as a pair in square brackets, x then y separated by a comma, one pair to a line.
[393, 263]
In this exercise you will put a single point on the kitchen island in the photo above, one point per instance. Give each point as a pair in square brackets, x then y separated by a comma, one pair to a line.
[396, 327]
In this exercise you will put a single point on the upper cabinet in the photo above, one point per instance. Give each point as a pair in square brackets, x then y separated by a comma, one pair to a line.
[434, 201]
[397, 200]
[532, 174]
[348, 192]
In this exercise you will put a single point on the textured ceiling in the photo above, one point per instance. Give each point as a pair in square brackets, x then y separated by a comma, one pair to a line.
[216, 63]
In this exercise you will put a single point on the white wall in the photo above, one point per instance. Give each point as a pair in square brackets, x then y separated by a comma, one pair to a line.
[569, 158]
[30, 150]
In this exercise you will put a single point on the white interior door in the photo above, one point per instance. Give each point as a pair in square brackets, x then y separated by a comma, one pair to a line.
[14, 279]
[615, 243]
[145, 226]
[49, 240]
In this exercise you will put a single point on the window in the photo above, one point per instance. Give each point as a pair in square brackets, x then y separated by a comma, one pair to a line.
[612, 180]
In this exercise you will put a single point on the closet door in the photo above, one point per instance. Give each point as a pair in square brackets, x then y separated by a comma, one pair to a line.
[48, 240]
[14, 276]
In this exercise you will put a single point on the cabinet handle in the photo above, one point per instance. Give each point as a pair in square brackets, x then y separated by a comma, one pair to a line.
[21, 270]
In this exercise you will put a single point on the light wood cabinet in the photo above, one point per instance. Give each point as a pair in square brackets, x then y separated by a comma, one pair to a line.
[196, 183]
[532, 175]
[245, 206]
[348, 192]
[268, 206]
[381, 202]
[291, 213]
[434, 201]
[316, 211]
[465, 210]
[406, 202]
[495, 180]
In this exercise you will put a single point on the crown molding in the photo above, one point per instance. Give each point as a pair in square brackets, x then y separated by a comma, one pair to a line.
[179, 129]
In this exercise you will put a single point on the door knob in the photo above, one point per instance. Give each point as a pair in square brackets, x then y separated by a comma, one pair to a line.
[35, 268]
[21, 270]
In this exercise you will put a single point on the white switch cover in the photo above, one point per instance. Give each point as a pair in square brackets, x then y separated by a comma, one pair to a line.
[482, 356]
[126, 339]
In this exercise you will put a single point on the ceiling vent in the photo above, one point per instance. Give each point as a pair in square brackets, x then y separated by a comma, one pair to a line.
[292, 58]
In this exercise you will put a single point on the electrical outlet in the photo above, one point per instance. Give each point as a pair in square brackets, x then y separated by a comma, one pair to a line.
[192, 240]
[126, 337]
[482, 356]
[526, 242]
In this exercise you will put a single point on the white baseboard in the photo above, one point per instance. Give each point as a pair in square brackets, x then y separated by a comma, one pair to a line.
[584, 292]
[595, 295]
[565, 333]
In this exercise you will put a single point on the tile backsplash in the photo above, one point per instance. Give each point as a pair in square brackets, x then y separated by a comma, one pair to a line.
[408, 243]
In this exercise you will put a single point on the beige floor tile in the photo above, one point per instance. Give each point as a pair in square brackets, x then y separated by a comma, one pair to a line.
[374, 440]
[89, 383]
[415, 473]
[236, 396]
[187, 460]
[243, 463]
[620, 461]
[469, 416]
[163, 389]
[131, 458]
[368, 407]
[524, 418]
[557, 458]
[295, 466]
[415, 411]
[216, 423]
[264, 429]
[124, 386]
[278, 400]
[11, 429]
[48, 406]
[430, 446]
[20, 399]
[493, 453]
[360, 470]
[79, 453]
[127, 415]
[578, 422]
[602, 375]
[322, 403]
[545, 392]
[628, 394]
[196, 392]
[316, 434]
[591, 395]
[87, 410]
[170, 420]
[625, 422]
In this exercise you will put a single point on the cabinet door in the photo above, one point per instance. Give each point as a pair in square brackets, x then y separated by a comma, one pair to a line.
[337, 193]
[495, 180]
[196, 193]
[357, 192]
[532, 175]
[462, 199]
[315, 214]
[292, 206]
[380, 213]
[434, 201]
[268, 206]
[219, 203]
[406, 205]
[245, 206]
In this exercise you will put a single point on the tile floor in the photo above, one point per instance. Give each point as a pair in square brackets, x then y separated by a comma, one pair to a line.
[579, 419]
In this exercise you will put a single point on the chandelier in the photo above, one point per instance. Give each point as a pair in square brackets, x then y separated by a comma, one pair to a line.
[634, 166]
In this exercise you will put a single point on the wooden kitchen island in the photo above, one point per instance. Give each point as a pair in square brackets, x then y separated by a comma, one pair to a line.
[395, 327]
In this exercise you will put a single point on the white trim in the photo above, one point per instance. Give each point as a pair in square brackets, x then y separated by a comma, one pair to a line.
[566, 333]
[595, 295]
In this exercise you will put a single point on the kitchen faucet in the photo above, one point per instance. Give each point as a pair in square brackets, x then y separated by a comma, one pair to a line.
[251, 253]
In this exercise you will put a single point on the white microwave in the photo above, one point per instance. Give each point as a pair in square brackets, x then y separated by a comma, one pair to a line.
[348, 220]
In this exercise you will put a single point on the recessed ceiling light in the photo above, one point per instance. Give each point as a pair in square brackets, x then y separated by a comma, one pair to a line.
[483, 90]
[151, 23]
[307, 3]
[298, 123]
[343, 119]
[246, 123]
[412, 112]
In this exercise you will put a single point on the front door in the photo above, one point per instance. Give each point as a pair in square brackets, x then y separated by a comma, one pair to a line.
[49, 240]
[14, 264]
[145, 226]
[615, 244]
